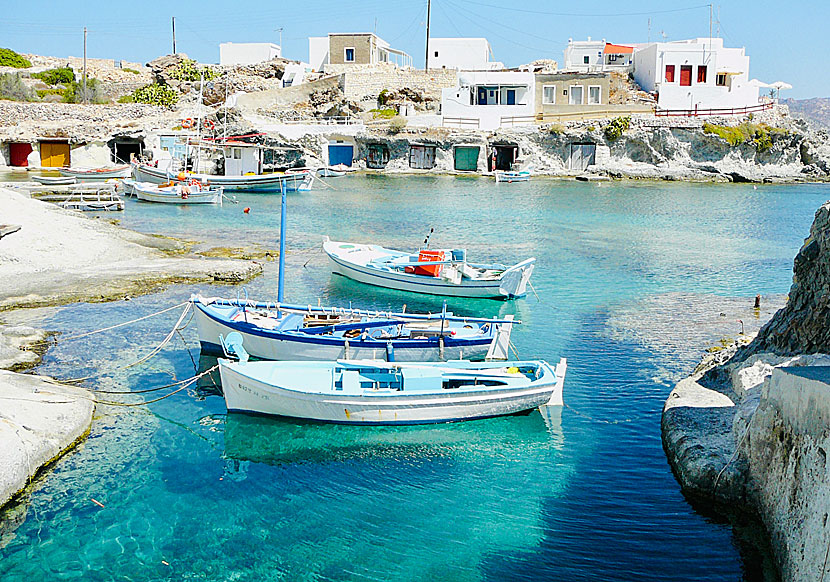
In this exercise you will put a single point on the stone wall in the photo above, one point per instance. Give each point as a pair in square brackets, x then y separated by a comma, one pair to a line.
[366, 82]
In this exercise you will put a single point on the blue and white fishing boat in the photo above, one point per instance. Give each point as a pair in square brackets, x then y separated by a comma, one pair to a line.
[190, 192]
[96, 174]
[372, 392]
[512, 176]
[274, 331]
[294, 182]
[435, 272]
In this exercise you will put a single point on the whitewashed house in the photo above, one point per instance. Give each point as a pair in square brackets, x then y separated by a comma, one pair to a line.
[595, 56]
[463, 54]
[695, 74]
[489, 100]
[247, 53]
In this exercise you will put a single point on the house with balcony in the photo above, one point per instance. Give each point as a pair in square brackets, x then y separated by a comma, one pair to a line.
[561, 94]
[353, 48]
[490, 100]
[694, 75]
[590, 56]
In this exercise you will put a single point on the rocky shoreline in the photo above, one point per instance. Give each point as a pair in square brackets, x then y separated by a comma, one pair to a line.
[59, 257]
[749, 430]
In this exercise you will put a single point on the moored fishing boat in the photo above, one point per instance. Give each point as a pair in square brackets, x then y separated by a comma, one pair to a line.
[330, 172]
[55, 180]
[372, 392]
[293, 332]
[436, 272]
[181, 193]
[96, 174]
[294, 182]
[512, 176]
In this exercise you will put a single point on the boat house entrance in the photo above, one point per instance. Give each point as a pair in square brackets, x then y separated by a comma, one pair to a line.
[582, 155]
[124, 149]
[422, 156]
[377, 156]
[19, 154]
[54, 153]
[466, 158]
[502, 157]
[341, 152]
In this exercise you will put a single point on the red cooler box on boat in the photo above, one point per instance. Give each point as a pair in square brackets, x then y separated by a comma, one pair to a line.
[429, 270]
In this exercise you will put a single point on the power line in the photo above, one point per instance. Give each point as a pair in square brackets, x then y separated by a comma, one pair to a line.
[584, 14]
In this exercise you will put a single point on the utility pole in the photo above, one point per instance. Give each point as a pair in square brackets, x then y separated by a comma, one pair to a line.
[426, 60]
[710, 29]
[174, 35]
[280, 31]
[85, 100]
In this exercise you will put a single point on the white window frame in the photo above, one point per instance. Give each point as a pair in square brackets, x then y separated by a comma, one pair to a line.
[553, 92]
[345, 52]
[599, 101]
[570, 94]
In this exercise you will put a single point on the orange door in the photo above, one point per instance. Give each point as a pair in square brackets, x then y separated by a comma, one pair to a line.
[54, 154]
[685, 75]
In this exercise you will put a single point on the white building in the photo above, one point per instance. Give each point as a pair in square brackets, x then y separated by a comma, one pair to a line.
[593, 56]
[489, 100]
[695, 74]
[247, 53]
[463, 54]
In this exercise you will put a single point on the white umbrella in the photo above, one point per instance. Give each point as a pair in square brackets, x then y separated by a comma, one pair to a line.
[778, 85]
[761, 84]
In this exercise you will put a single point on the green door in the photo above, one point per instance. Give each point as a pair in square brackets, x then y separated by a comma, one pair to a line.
[466, 158]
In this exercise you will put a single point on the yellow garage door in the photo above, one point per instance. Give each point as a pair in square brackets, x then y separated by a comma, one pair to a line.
[54, 154]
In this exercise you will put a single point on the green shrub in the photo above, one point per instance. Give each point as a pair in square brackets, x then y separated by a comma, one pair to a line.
[155, 94]
[384, 113]
[617, 127]
[133, 71]
[383, 97]
[188, 71]
[126, 99]
[74, 92]
[556, 129]
[53, 91]
[59, 76]
[13, 88]
[9, 58]
[397, 124]
[759, 135]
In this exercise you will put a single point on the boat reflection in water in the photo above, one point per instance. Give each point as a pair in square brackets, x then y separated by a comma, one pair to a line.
[276, 441]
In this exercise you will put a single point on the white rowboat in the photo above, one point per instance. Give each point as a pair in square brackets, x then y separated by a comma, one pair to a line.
[96, 174]
[177, 194]
[294, 182]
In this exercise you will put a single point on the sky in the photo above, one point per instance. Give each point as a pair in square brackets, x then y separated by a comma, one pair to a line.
[785, 42]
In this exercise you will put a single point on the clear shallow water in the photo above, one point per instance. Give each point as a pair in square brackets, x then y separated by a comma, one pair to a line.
[588, 496]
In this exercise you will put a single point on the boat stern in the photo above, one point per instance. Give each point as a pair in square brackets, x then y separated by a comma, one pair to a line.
[556, 397]
[514, 281]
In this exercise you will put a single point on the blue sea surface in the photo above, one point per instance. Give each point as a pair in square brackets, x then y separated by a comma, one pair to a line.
[629, 280]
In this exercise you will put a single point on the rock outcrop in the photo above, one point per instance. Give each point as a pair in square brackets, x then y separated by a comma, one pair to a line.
[750, 430]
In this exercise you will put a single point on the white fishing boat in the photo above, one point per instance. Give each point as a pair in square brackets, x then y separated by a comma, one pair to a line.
[96, 174]
[181, 193]
[372, 392]
[55, 180]
[435, 272]
[274, 331]
[330, 172]
[294, 182]
[82, 204]
[512, 176]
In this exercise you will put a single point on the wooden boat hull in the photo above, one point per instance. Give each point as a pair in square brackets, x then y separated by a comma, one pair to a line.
[96, 175]
[330, 173]
[245, 391]
[274, 345]
[512, 283]
[512, 176]
[55, 180]
[153, 194]
[298, 182]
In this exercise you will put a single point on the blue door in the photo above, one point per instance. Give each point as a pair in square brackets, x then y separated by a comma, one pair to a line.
[340, 154]
[482, 96]
[511, 96]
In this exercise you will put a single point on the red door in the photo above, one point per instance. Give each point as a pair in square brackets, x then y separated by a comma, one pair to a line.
[685, 75]
[19, 154]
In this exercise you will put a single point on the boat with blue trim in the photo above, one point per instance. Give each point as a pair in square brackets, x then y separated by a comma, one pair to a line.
[435, 272]
[372, 392]
[275, 331]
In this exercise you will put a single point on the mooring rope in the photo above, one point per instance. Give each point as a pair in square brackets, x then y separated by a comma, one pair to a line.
[735, 454]
[117, 325]
[152, 353]
[189, 383]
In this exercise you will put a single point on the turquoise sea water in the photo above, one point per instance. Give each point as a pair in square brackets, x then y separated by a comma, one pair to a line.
[631, 280]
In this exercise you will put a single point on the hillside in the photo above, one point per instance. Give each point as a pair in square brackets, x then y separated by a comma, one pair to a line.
[816, 110]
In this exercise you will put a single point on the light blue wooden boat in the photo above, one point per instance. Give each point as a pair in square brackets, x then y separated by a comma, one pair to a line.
[373, 392]
[512, 176]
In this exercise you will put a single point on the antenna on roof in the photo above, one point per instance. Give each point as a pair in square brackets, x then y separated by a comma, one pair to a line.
[426, 240]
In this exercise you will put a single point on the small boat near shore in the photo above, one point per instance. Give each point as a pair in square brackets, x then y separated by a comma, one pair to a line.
[190, 192]
[96, 174]
[512, 176]
[294, 332]
[294, 182]
[55, 180]
[370, 392]
[335, 171]
[435, 272]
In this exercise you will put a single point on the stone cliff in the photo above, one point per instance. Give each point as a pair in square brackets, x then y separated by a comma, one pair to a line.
[751, 429]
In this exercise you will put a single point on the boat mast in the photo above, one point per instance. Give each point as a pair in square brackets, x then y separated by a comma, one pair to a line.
[281, 278]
